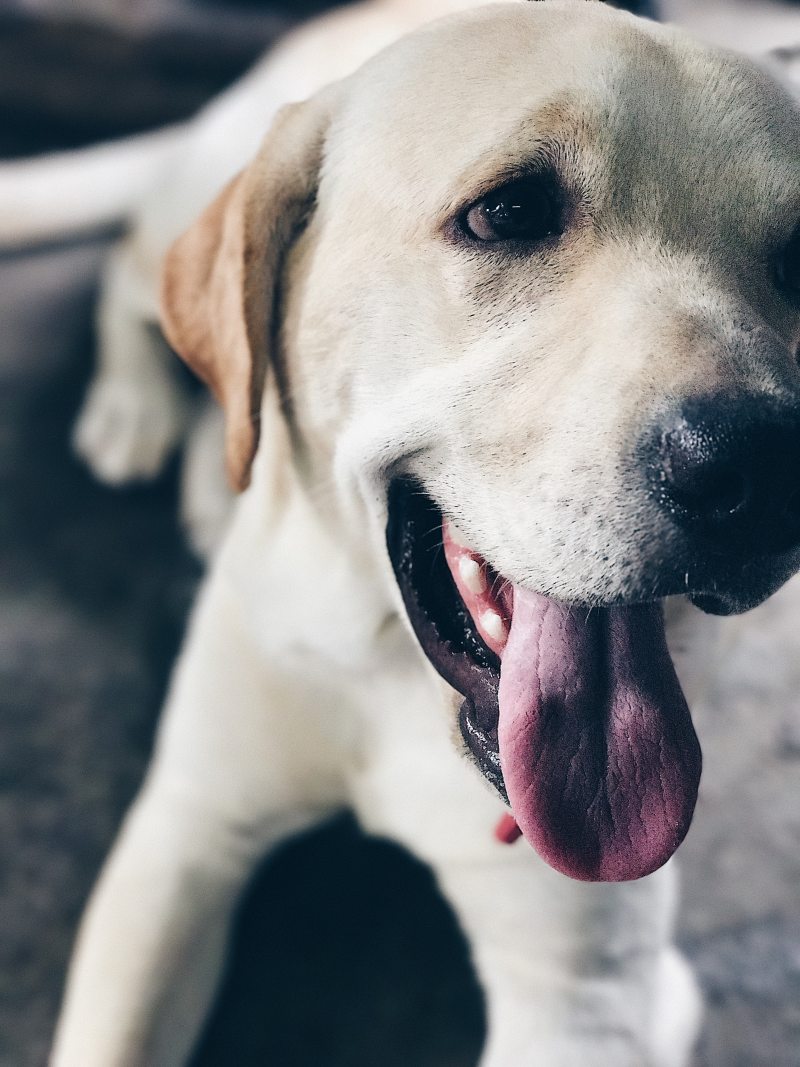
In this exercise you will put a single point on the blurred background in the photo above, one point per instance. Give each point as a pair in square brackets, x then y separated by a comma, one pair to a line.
[343, 954]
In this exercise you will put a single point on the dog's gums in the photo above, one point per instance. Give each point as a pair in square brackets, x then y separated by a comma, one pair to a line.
[575, 715]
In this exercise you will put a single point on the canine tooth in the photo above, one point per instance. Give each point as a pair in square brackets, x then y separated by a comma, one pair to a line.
[493, 625]
[472, 575]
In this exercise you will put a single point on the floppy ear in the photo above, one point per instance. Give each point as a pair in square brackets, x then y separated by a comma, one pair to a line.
[219, 280]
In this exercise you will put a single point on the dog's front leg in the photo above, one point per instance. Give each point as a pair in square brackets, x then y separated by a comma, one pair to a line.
[226, 785]
[135, 411]
[152, 943]
[575, 974]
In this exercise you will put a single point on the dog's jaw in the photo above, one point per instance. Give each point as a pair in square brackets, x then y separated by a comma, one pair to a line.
[575, 716]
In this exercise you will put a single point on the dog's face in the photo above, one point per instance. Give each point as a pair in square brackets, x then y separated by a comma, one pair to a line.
[543, 321]
[564, 244]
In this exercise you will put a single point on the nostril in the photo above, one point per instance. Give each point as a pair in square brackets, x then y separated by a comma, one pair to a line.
[714, 493]
[726, 474]
[726, 493]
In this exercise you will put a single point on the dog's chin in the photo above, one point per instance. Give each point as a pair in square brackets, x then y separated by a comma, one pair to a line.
[746, 595]
[573, 713]
[737, 583]
[717, 604]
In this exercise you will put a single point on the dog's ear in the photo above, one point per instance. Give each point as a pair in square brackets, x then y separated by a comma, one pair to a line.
[220, 278]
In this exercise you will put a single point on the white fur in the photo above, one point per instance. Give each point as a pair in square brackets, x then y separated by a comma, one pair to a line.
[299, 689]
[206, 497]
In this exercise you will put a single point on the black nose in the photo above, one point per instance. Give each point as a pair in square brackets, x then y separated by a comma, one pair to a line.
[729, 472]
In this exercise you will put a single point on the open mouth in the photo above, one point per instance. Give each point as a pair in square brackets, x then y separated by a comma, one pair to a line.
[575, 715]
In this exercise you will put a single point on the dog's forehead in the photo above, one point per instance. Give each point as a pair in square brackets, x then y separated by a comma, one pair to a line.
[468, 83]
[702, 140]
[652, 111]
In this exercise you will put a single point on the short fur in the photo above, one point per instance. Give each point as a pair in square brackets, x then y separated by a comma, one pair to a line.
[512, 388]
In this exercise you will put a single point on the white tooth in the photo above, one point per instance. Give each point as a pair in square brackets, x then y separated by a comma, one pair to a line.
[472, 575]
[493, 625]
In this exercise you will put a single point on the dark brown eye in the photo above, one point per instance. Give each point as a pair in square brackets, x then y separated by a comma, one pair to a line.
[524, 210]
[789, 267]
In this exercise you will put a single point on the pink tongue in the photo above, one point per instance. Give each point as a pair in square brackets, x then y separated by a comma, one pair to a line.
[599, 755]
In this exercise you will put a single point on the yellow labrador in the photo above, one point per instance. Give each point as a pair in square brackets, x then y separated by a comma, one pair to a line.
[505, 326]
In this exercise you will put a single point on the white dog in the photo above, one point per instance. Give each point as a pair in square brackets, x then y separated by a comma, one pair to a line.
[505, 326]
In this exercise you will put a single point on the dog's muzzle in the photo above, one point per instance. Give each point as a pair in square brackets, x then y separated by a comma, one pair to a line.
[724, 475]
[576, 716]
[728, 472]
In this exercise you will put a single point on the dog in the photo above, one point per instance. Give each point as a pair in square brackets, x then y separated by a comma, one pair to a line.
[505, 327]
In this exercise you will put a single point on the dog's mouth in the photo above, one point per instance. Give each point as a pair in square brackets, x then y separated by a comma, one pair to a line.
[575, 715]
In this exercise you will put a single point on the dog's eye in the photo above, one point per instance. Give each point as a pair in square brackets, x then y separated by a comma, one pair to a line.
[789, 270]
[520, 211]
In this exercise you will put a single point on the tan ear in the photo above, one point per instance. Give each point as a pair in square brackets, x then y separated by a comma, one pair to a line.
[219, 280]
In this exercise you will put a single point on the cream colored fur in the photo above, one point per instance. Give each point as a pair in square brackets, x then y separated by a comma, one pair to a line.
[507, 387]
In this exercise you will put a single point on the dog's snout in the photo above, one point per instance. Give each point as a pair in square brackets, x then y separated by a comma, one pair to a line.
[730, 474]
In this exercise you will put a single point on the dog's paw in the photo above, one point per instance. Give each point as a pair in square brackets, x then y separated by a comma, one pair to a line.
[598, 1028]
[126, 430]
[593, 1027]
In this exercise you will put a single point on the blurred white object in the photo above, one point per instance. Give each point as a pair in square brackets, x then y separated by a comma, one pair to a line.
[752, 26]
[67, 192]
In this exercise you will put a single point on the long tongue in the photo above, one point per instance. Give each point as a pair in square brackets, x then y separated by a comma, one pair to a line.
[598, 752]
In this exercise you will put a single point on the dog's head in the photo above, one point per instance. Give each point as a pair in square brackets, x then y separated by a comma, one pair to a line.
[531, 281]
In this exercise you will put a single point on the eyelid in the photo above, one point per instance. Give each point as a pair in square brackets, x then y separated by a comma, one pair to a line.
[542, 165]
[499, 181]
[545, 182]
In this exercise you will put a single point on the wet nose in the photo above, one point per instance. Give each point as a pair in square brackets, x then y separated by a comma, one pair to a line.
[730, 472]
